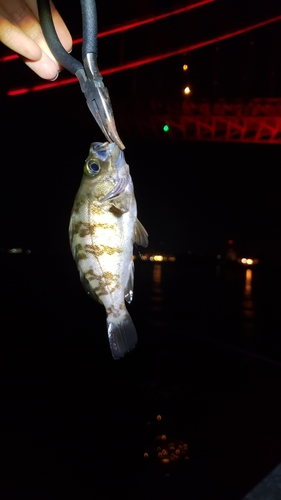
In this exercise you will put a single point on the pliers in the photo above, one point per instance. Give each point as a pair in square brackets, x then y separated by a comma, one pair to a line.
[88, 73]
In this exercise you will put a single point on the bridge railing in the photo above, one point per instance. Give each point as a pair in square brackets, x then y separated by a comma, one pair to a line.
[258, 120]
[254, 107]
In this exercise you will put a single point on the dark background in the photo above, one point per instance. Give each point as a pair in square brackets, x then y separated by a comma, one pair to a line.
[75, 422]
[191, 196]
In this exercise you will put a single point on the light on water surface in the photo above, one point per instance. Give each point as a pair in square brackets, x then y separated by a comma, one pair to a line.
[248, 282]
[168, 451]
[157, 274]
[248, 305]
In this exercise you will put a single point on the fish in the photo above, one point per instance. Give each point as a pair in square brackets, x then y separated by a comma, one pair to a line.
[103, 229]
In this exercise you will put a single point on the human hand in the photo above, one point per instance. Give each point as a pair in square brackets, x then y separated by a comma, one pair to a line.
[20, 31]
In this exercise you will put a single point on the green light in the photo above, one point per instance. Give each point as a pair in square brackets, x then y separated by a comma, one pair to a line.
[166, 128]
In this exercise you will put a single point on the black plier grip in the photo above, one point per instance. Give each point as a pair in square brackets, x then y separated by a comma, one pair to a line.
[87, 72]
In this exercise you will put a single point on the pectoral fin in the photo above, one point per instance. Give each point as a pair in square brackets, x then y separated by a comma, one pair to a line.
[140, 234]
[130, 284]
[117, 190]
[120, 205]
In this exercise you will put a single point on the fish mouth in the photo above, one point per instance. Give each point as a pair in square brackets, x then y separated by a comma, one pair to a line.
[117, 190]
[100, 146]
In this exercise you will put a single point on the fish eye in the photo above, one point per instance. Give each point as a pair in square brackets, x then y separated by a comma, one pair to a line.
[91, 168]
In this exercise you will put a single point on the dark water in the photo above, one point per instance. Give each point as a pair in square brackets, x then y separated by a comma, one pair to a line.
[76, 423]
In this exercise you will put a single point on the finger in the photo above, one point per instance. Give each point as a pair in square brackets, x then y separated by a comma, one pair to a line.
[44, 67]
[14, 38]
[21, 16]
[60, 26]
[63, 34]
[24, 16]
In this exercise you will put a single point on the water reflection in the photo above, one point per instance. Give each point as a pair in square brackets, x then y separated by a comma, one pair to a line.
[157, 274]
[173, 453]
[248, 282]
[248, 305]
[157, 289]
[157, 294]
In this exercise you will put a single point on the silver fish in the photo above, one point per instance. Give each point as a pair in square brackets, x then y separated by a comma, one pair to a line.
[103, 228]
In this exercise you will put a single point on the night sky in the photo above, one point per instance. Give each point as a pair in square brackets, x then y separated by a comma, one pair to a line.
[191, 196]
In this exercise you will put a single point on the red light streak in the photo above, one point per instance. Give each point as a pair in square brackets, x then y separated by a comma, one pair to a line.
[152, 59]
[42, 86]
[136, 24]
[18, 92]
[190, 48]
[129, 26]
[9, 58]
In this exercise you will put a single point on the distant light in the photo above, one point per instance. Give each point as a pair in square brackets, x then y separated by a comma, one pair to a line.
[218, 257]
[159, 417]
[230, 242]
[166, 128]
[187, 90]
[185, 67]
[15, 250]
[145, 455]
[144, 257]
[172, 259]
[158, 258]
[248, 262]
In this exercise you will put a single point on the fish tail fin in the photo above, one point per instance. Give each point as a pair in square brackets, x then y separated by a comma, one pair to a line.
[122, 335]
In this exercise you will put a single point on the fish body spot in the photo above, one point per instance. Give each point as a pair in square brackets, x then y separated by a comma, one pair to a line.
[99, 250]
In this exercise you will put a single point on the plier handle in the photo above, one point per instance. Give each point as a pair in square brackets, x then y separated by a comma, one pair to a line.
[87, 72]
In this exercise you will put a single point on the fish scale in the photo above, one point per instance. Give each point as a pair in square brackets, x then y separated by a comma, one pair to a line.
[103, 228]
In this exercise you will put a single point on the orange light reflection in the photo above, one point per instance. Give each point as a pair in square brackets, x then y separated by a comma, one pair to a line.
[248, 282]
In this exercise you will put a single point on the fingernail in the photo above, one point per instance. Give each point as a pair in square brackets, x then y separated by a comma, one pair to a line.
[56, 77]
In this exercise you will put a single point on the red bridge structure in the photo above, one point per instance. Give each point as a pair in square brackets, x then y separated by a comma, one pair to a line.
[258, 121]
[255, 121]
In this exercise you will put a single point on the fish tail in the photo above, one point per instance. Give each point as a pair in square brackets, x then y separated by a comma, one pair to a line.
[122, 336]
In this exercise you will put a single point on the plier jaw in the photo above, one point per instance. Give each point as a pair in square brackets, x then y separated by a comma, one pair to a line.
[97, 97]
[87, 72]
